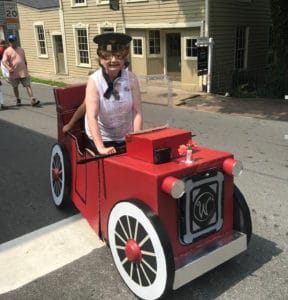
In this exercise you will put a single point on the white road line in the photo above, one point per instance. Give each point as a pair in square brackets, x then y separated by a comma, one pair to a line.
[38, 253]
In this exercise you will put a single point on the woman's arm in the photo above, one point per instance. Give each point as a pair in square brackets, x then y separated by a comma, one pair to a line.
[78, 114]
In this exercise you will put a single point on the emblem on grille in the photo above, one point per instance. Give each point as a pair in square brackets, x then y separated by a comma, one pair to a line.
[204, 207]
[200, 208]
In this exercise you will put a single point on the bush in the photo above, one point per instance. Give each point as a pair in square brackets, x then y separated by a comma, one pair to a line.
[268, 82]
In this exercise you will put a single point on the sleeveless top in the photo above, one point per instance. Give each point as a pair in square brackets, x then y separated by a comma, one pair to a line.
[115, 118]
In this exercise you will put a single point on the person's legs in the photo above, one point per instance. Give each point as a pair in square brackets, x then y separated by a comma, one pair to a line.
[2, 106]
[29, 91]
[16, 92]
[15, 83]
[26, 83]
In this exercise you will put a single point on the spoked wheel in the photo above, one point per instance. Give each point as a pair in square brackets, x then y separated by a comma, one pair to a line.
[59, 175]
[141, 250]
[241, 214]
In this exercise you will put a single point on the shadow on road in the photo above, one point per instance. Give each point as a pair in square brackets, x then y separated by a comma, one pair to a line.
[99, 276]
[26, 203]
[214, 283]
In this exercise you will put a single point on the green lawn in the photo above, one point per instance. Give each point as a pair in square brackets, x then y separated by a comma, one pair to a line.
[45, 81]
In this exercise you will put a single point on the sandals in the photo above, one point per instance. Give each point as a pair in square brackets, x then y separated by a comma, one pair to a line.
[35, 102]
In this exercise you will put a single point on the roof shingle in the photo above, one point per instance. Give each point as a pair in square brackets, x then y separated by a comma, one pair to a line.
[42, 4]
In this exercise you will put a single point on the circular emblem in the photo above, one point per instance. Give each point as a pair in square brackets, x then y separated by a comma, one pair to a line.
[204, 207]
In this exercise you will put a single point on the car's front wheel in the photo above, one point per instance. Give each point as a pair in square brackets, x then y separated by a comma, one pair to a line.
[141, 250]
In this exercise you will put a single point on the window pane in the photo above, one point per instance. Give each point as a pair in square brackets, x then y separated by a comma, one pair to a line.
[107, 29]
[137, 46]
[241, 47]
[82, 46]
[41, 39]
[191, 48]
[154, 42]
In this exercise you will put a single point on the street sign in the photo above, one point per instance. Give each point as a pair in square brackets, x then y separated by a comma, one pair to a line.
[202, 60]
[11, 14]
[11, 11]
[202, 41]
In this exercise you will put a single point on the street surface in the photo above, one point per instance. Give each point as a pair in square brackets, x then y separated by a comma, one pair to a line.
[46, 253]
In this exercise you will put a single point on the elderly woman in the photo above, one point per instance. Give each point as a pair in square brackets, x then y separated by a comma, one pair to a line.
[113, 101]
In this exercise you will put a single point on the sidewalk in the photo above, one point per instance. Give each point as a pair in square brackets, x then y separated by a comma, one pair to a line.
[263, 108]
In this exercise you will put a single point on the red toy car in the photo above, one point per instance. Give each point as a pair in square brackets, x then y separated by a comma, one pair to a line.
[166, 220]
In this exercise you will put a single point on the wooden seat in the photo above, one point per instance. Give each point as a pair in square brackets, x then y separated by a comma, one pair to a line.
[68, 99]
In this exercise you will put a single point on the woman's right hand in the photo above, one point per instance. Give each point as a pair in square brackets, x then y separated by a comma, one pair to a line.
[107, 150]
[66, 128]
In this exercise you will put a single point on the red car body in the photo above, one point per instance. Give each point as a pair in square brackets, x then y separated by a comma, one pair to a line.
[194, 217]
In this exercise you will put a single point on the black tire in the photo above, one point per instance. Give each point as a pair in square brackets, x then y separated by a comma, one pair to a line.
[241, 214]
[60, 175]
[134, 233]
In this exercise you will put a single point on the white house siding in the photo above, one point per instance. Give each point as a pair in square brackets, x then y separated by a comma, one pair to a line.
[51, 23]
[136, 19]
[89, 17]
[184, 17]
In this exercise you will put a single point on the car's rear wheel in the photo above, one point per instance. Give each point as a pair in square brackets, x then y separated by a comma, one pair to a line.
[141, 250]
[60, 175]
[241, 214]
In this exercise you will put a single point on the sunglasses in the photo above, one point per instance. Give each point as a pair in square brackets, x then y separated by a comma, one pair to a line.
[108, 55]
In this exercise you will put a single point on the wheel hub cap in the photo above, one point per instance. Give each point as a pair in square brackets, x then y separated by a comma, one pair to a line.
[133, 251]
[55, 174]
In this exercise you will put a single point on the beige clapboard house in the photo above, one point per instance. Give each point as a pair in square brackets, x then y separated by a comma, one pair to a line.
[57, 36]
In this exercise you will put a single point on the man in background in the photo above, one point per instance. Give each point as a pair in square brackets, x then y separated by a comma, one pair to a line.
[15, 61]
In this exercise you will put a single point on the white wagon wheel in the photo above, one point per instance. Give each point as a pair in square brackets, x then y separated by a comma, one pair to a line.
[141, 250]
[60, 175]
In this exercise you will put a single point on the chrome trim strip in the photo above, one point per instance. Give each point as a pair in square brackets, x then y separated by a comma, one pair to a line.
[210, 257]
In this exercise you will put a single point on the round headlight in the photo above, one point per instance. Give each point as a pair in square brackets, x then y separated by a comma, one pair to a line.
[232, 166]
[173, 186]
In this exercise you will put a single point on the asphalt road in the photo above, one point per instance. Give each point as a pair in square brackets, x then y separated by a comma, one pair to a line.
[26, 136]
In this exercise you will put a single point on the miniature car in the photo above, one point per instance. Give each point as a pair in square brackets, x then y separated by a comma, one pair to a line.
[166, 220]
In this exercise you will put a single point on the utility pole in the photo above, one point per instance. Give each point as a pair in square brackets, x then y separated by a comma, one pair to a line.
[210, 55]
[210, 44]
